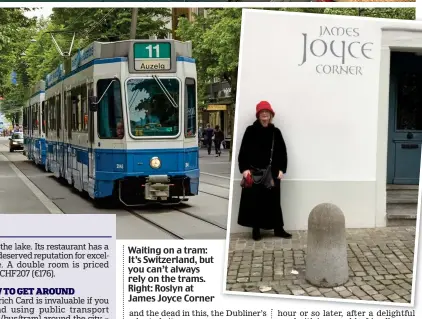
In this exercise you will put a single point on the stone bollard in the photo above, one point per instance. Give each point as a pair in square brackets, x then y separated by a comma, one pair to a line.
[326, 258]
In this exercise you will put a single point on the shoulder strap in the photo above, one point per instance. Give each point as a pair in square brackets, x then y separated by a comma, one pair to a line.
[272, 150]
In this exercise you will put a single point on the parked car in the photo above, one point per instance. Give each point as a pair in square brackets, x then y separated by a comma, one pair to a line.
[16, 141]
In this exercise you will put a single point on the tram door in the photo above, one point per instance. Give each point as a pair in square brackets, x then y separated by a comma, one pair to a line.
[67, 154]
[91, 136]
[30, 139]
[60, 145]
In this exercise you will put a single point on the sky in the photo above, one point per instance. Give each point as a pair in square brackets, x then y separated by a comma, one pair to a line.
[39, 12]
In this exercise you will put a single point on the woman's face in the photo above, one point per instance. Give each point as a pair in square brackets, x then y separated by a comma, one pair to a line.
[265, 116]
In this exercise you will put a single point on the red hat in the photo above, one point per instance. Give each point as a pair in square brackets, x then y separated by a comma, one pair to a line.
[264, 105]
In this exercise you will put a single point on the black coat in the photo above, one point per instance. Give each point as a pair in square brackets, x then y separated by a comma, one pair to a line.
[261, 207]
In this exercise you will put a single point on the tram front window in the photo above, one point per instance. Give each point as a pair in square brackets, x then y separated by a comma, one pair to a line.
[153, 106]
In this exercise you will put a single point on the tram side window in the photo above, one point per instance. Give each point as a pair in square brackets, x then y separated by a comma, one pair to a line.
[110, 114]
[52, 114]
[76, 109]
[66, 108]
[58, 114]
[25, 119]
[34, 117]
[190, 108]
[84, 112]
[45, 117]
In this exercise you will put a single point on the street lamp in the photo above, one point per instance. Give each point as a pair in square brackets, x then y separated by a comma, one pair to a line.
[32, 41]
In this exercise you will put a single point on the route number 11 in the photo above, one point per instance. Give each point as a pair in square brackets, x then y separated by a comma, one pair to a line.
[155, 48]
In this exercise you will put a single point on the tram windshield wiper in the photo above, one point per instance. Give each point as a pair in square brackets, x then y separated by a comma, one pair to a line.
[165, 91]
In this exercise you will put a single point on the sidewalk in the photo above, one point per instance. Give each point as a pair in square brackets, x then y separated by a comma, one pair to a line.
[380, 265]
[203, 153]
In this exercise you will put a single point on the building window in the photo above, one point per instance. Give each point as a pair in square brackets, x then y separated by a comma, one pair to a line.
[190, 108]
[110, 114]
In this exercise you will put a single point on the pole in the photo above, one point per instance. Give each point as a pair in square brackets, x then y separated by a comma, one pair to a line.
[133, 24]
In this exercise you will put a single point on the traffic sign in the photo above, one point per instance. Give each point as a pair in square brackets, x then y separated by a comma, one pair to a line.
[151, 56]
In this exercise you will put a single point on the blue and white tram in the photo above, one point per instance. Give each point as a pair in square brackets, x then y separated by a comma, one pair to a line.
[123, 122]
[34, 124]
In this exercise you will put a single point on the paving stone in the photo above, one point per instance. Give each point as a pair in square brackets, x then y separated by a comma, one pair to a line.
[325, 290]
[345, 293]
[298, 292]
[379, 297]
[331, 294]
[380, 265]
[315, 293]
[393, 297]
[366, 298]
[400, 301]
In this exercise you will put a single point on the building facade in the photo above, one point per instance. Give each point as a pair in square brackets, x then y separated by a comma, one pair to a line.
[351, 119]
[219, 103]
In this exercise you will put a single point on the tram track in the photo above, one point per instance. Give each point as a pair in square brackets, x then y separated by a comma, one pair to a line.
[177, 221]
[202, 217]
[165, 221]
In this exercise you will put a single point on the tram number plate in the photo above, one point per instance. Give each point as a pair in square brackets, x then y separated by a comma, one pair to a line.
[152, 56]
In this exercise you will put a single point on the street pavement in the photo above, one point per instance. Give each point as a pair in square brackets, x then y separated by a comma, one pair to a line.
[27, 189]
[380, 265]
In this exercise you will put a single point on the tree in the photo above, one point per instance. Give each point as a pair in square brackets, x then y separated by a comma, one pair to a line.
[216, 38]
[15, 31]
[11, 106]
[90, 24]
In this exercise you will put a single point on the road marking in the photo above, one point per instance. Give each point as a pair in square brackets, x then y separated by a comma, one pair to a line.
[215, 175]
[53, 209]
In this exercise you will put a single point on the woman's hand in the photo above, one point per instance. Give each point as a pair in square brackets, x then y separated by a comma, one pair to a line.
[246, 173]
[280, 175]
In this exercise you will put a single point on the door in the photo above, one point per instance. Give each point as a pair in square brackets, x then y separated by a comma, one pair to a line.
[405, 119]
[91, 132]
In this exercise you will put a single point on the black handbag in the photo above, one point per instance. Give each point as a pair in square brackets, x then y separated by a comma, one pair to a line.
[264, 176]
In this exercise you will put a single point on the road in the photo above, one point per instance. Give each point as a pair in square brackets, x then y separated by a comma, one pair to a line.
[28, 189]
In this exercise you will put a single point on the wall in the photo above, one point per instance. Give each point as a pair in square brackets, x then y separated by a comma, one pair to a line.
[331, 122]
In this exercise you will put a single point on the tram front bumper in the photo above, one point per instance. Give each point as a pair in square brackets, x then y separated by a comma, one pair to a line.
[157, 187]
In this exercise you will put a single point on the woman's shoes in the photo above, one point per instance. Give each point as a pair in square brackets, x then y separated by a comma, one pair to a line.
[282, 233]
[256, 234]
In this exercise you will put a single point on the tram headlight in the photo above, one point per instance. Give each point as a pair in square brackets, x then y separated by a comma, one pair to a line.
[155, 162]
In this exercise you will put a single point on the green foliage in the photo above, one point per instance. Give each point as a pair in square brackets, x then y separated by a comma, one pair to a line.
[15, 30]
[11, 106]
[216, 38]
[90, 24]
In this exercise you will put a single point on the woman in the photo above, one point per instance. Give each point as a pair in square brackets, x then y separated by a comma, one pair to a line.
[260, 207]
[218, 139]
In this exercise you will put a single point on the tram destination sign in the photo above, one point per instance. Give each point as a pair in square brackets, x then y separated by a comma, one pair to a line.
[152, 56]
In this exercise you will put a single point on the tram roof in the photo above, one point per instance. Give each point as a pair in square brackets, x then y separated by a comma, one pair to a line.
[119, 49]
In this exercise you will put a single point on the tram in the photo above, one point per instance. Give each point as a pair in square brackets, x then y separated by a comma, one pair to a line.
[33, 126]
[122, 122]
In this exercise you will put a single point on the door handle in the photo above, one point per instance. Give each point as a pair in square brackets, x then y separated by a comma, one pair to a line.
[409, 136]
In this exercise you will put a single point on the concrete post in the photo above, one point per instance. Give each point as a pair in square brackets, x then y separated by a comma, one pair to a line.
[326, 259]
